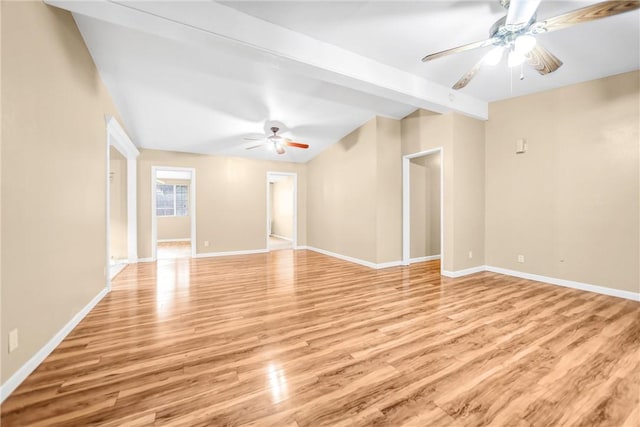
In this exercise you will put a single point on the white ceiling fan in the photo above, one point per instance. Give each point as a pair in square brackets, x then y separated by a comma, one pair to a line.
[276, 142]
[515, 34]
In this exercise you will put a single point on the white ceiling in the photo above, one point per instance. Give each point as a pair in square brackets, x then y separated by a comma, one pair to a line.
[198, 76]
[400, 33]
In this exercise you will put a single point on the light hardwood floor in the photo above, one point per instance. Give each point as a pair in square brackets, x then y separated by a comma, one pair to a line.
[295, 338]
[167, 250]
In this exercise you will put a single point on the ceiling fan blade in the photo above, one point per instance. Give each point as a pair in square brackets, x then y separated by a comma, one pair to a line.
[253, 139]
[521, 11]
[542, 60]
[296, 144]
[279, 149]
[254, 146]
[464, 80]
[463, 48]
[589, 13]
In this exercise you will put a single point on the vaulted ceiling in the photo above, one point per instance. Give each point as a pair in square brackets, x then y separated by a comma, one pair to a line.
[201, 76]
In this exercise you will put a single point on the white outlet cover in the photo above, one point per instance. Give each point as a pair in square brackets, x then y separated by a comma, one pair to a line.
[520, 258]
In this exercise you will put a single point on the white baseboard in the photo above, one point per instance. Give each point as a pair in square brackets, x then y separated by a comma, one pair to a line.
[115, 269]
[388, 264]
[173, 240]
[465, 272]
[146, 259]
[217, 254]
[424, 258]
[25, 370]
[289, 239]
[302, 247]
[635, 296]
[352, 259]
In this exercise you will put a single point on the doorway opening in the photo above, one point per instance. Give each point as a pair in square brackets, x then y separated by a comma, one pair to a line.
[121, 212]
[173, 212]
[282, 210]
[118, 238]
[422, 207]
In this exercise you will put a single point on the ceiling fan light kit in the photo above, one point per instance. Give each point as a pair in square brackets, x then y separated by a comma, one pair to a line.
[515, 58]
[494, 56]
[515, 33]
[276, 142]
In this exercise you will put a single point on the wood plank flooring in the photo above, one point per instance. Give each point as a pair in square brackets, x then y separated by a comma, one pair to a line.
[295, 338]
[168, 250]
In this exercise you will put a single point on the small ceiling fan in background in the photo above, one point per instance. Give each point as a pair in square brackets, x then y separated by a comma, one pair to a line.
[275, 142]
[515, 34]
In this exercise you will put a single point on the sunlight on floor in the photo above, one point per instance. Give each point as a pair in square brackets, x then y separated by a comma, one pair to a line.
[170, 250]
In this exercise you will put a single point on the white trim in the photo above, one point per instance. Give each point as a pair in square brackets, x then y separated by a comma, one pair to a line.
[277, 236]
[343, 257]
[192, 208]
[118, 139]
[294, 237]
[107, 223]
[115, 269]
[635, 296]
[150, 259]
[406, 204]
[172, 240]
[352, 259]
[465, 272]
[424, 258]
[301, 248]
[388, 264]
[121, 141]
[25, 370]
[231, 253]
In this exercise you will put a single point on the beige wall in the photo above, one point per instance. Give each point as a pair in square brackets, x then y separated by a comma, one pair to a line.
[231, 199]
[425, 205]
[389, 190]
[118, 233]
[570, 203]
[53, 140]
[282, 207]
[462, 141]
[174, 227]
[355, 188]
[342, 196]
[423, 130]
[468, 192]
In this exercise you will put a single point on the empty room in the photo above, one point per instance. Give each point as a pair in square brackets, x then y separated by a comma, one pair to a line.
[320, 213]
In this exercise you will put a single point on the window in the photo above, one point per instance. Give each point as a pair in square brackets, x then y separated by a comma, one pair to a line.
[172, 200]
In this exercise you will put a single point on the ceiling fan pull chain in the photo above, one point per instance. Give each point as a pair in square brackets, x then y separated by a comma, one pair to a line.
[521, 71]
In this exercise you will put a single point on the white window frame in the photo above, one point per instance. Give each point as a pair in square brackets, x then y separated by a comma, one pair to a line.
[175, 200]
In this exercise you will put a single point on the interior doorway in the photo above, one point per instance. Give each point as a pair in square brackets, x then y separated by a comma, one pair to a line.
[423, 197]
[118, 238]
[282, 212]
[173, 212]
[121, 203]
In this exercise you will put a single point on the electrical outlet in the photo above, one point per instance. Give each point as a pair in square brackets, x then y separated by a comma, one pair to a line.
[13, 340]
[206, 243]
[470, 254]
[520, 258]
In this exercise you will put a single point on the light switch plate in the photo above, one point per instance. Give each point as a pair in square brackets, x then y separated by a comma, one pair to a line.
[13, 340]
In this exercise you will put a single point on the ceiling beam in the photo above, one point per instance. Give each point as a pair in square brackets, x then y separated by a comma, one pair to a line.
[205, 23]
